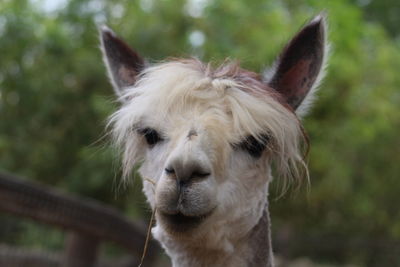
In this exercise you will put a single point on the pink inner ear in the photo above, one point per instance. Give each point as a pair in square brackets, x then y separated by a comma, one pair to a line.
[127, 75]
[296, 82]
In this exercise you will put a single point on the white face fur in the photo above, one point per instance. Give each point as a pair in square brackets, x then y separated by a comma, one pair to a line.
[205, 138]
[196, 139]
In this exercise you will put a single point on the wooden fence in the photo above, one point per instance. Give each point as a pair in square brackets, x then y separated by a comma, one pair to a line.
[87, 222]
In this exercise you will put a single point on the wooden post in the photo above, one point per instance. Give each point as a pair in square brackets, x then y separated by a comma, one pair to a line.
[80, 250]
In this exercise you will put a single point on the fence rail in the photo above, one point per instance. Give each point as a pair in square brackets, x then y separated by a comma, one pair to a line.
[88, 221]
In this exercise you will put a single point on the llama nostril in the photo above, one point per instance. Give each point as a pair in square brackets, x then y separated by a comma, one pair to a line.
[186, 171]
[197, 174]
[169, 170]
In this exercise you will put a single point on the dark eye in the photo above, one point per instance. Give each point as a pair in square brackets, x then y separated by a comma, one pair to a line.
[254, 146]
[152, 137]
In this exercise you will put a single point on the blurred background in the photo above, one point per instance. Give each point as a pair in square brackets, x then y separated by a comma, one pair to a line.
[55, 99]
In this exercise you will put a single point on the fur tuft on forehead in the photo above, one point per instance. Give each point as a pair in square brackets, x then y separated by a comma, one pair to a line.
[182, 90]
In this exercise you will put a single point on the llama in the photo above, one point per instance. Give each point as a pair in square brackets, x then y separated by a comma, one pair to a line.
[205, 138]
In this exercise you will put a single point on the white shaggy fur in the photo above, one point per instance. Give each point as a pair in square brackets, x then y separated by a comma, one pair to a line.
[175, 97]
[200, 168]
[177, 93]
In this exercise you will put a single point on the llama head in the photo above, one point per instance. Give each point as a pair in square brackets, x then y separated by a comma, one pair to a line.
[205, 137]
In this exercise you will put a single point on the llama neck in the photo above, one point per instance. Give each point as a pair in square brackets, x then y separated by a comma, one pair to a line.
[260, 242]
[252, 249]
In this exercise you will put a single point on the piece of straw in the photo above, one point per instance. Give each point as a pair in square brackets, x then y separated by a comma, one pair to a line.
[146, 243]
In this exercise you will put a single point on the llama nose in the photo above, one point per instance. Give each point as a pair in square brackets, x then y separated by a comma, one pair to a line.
[185, 173]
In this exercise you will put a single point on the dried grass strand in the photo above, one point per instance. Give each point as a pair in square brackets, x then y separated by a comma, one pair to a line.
[146, 243]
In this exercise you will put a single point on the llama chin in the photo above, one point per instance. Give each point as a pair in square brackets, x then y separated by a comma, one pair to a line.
[207, 136]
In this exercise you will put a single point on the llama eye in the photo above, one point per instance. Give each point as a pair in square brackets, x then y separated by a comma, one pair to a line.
[254, 146]
[152, 137]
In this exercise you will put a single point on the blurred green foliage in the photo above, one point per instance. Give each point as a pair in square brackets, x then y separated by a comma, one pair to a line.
[55, 98]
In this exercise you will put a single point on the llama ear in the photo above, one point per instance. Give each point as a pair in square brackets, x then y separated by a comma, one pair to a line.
[299, 68]
[123, 63]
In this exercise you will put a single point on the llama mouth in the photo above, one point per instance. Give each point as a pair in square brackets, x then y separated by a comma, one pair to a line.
[181, 223]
